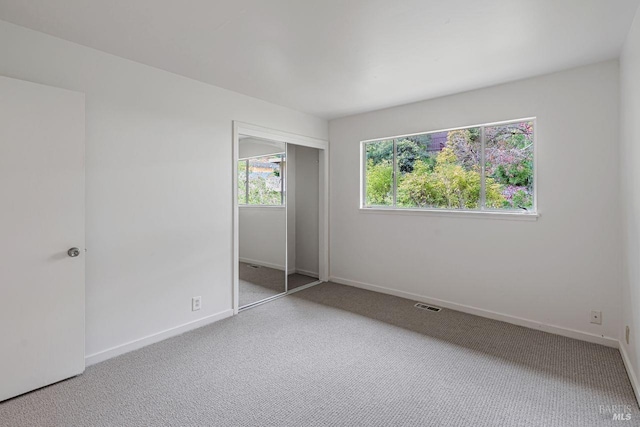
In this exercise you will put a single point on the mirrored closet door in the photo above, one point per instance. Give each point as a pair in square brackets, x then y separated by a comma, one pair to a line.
[262, 171]
[280, 215]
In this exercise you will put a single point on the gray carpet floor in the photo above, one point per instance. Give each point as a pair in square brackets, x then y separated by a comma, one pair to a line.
[340, 356]
[256, 284]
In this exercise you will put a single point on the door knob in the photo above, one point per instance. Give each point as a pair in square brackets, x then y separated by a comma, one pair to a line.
[73, 252]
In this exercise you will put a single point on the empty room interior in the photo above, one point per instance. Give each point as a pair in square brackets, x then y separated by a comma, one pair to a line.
[319, 213]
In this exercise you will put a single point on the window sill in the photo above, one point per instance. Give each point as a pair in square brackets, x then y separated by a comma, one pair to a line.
[261, 206]
[514, 216]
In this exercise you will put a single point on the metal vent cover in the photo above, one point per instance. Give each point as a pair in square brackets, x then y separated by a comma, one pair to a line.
[253, 266]
[427, 307]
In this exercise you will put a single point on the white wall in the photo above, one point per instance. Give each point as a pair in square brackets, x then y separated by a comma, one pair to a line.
[630, 186]
[307, 209]
[553, 271]
[158, 174]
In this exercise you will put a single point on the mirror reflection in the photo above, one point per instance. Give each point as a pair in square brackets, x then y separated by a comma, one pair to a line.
[262, 171]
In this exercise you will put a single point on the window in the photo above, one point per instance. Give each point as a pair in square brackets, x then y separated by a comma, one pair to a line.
[479, 168]
[261, 181]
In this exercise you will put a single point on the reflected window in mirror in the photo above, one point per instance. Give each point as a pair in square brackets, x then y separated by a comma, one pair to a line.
[261, 180]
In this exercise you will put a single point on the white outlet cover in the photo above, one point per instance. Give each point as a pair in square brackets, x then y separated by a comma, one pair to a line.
[196, 303]
[596, 317]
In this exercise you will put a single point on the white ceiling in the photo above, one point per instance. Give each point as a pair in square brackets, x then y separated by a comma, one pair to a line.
[333, 58]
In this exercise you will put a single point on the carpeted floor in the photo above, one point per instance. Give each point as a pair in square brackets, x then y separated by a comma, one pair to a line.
[257, 283]
[335, 355]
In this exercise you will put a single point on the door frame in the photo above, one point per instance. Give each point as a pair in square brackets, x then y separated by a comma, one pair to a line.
[256, 131]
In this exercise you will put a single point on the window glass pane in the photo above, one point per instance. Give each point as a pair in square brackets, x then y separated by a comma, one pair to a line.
[416, 156]
[265, 185]
[242, 182]
[379, 173]
[509, 166]
[440, 170]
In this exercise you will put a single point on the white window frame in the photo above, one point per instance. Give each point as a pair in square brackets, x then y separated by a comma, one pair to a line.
[246, 186]
[482, 212]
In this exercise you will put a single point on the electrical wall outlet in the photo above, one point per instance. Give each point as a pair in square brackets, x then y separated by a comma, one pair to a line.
[596, 317]
[196, 303]
[626, 334]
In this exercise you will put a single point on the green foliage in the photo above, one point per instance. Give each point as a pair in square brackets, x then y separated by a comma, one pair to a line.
[448, 185]
[409, 151]
[519, 174]
[381, 151]
[466, 145]
[521, 199]
[261, 192]
[509, 155]
[420, 188]
[379, 183]
[242, 182]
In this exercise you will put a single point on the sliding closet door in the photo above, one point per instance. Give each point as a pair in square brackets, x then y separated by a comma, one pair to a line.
[262, 173]
[295, 229]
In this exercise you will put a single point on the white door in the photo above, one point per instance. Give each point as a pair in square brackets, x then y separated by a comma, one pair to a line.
[41, 218]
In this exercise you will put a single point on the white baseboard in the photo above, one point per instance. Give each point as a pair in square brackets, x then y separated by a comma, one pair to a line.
[103, 355]
[532, 324]
[630, 372]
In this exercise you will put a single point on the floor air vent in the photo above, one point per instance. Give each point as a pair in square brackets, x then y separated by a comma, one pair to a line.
[427, 307]
[253, 266]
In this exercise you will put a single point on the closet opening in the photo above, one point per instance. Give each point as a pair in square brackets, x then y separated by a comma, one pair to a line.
[280, 214]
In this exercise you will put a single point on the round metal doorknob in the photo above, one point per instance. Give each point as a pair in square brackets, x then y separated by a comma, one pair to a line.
[73, 252]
